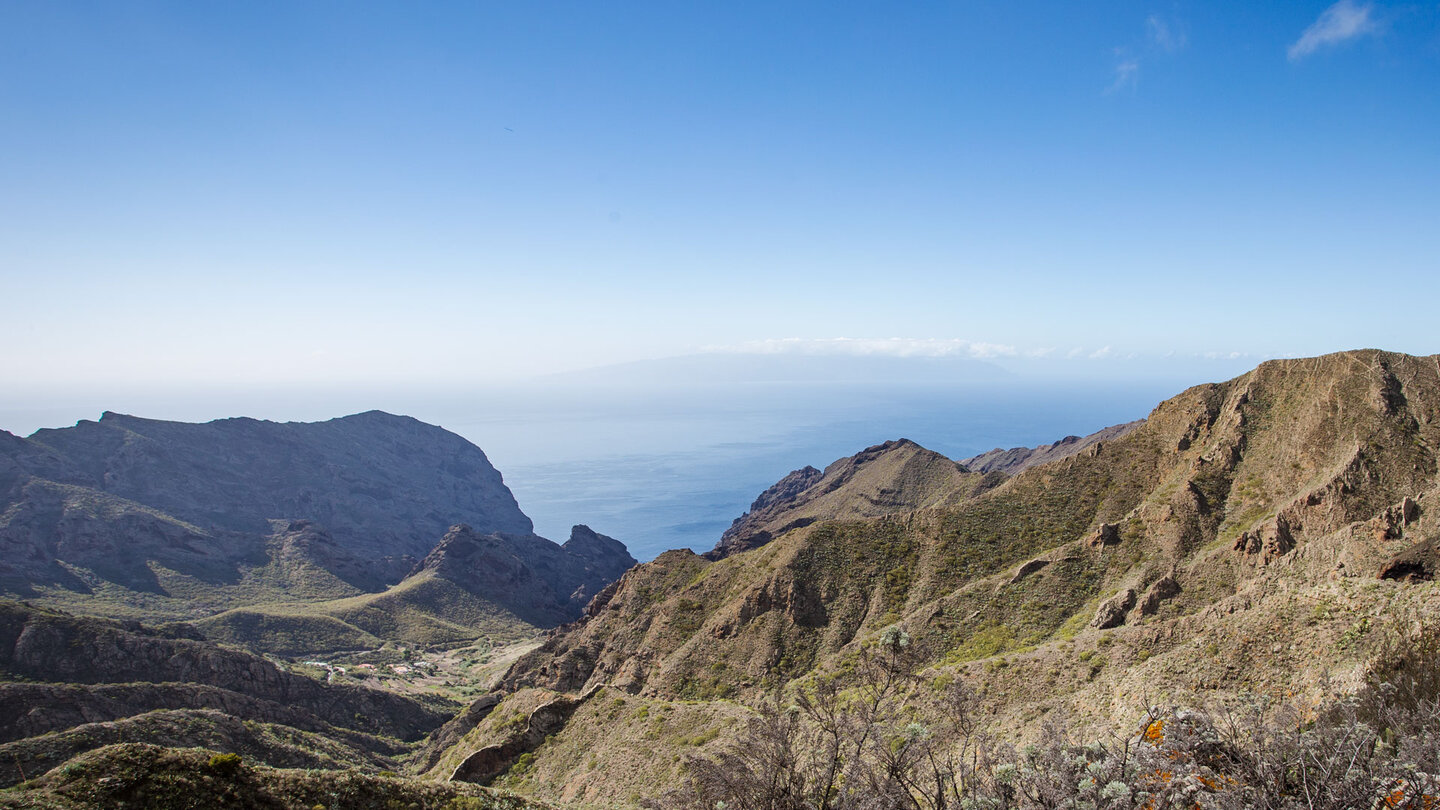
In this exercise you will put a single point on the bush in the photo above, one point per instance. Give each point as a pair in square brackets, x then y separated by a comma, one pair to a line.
[224, 764]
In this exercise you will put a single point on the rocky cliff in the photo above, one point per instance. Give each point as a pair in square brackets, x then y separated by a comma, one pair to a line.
[381, 484]
[284, 536]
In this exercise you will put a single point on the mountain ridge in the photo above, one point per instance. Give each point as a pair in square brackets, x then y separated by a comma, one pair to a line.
[1253, 536]
[278, 535]
[1016, 459]
[893, 477]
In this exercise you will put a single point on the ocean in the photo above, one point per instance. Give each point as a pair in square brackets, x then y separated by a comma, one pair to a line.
[673, 469]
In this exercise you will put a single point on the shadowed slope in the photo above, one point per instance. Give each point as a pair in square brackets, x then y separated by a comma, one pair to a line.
[381, 484]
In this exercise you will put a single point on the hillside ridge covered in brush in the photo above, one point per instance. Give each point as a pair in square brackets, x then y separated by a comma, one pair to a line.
[1257, 536]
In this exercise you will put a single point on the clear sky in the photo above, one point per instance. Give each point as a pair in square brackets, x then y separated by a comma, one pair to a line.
[308, 193]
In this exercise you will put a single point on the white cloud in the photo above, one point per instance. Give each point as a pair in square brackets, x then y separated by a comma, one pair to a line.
[1101, 354]
[1161, 37]
[882, 347]
[1165, 36]
[1127, 75]
[1343, 21]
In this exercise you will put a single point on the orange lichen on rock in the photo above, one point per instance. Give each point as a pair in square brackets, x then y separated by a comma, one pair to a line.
[1154, 732]
[1400, 798]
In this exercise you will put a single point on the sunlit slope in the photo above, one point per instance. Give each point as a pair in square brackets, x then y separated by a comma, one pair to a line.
[1255, 535]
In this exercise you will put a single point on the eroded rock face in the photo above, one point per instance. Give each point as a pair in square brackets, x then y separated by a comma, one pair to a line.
[381, 484]
[1419, 563]
[1161, 590]
[488, 762]
[1268, 542]
[1108, 534]
[749, 530]
[1111, 612]
[540, 582]
[1391, 523]
[1028, 568]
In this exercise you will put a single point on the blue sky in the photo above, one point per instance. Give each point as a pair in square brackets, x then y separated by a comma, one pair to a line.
[347, 193]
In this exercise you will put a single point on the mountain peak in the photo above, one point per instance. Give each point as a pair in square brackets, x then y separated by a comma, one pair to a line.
[888, 478]
[587, 543]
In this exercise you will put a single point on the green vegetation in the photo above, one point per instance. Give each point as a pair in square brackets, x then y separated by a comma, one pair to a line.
[155, 778]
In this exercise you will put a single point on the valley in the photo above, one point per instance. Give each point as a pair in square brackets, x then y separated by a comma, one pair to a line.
[363, 597]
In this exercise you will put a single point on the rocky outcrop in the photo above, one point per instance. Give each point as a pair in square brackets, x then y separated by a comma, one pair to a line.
[1268, 542]
[1419, 563]
[492, 760]
[1111, 612]
[443, 738]
[1107, 534]
[577, 570]
[1159, 592]
[1027, 569]
[747, 531]
[1391, 523]
[537, 580]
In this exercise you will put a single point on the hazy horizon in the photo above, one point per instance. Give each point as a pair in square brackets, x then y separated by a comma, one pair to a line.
[616, 388]
[664, 454]
[383, 195]
[661, 466]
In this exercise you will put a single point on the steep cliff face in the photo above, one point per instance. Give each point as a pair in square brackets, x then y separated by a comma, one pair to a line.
[578, 569]
[286, 536]
[381, 484]
[1261, 535]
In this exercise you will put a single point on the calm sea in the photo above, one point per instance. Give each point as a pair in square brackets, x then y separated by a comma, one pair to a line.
[673, 470]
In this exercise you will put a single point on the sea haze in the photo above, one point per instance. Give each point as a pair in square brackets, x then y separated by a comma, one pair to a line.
[666, 453]
[664, 468]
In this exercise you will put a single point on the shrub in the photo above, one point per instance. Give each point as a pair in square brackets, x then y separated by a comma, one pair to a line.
[880, 740]
[224, 764]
